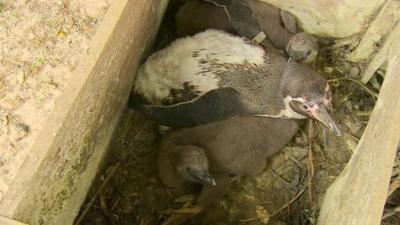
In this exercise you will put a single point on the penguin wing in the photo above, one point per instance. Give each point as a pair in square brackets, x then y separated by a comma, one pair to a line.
[289, 21]
[215, 105]
[241, 16]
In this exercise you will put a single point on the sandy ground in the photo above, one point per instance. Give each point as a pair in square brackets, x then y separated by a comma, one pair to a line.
[41, 43]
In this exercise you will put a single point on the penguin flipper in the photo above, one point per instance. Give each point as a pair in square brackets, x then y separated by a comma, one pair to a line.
[289, 21]
[136, 101]
[215, 105]
[241, 16]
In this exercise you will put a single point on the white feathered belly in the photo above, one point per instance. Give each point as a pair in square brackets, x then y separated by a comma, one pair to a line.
[192, 62]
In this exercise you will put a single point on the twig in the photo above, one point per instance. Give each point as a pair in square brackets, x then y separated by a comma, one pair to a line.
[248, 220]
[373, 94]
[309, 175]
[185, 198]
[191, 210]
[297, 163]
[97, 193]
[310, 165]
[177, 219]
[280, 176]
[115, 203]
[105, 182]
[391, 213]
[289, 203]
[395, 184]
[363, 113]
[146, 220]
[106, 211]
[173, 219]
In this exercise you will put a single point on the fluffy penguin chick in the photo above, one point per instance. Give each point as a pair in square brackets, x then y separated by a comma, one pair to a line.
[180, 164]
[303, 47]
[234, 148]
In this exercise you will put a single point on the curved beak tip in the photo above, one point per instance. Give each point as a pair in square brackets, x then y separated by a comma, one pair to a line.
[206, 178]
[333, 127]
[294, 57]
[212, 182]
[323, 116]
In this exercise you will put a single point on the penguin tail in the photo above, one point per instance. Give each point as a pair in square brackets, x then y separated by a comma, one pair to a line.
[136, 102]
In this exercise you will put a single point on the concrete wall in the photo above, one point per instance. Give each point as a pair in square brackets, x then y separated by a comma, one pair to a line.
[331, 18]
[54, 179]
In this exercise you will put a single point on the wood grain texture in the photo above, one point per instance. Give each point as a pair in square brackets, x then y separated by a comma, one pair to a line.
[377, 31]
[7, 221]
[389, 45]
[359, 193]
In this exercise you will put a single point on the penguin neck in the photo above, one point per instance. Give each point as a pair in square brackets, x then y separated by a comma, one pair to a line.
[169, 175]
[259, 85]
[286, 112]
[274, 104]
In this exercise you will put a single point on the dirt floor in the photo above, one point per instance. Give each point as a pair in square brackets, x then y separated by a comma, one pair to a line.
[41, 45]
[288, 192]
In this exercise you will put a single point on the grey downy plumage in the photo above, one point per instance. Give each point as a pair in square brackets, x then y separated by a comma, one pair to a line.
[232, 148]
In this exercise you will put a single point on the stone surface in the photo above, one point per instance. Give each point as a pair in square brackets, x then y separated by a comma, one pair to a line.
[330, 18]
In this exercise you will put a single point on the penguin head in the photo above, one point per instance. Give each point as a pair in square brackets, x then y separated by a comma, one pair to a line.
[303, 48]
[307, 94]
[192, 163]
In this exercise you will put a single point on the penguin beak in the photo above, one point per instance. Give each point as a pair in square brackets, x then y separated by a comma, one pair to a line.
[296, 56]
[203, 177]
[321, 114]
[303, 57]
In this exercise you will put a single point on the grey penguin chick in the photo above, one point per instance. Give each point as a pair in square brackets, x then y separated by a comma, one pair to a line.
[234, 148]
[280, 27]
[184, 163]
[303, 47]
[214, 75]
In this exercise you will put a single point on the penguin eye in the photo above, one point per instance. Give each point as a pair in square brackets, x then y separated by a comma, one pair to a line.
[308, 52]
[289, 48]
[305, 107]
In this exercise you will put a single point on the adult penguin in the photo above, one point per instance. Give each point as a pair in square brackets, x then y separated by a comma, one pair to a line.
[214, 75]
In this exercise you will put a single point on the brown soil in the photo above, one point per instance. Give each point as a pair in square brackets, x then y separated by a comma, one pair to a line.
[289, 191]
[41, 45]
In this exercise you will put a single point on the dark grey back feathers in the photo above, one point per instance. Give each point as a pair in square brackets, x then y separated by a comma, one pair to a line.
[237, 146]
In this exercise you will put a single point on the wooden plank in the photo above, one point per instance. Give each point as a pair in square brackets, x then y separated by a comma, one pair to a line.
[7, 221]
[377, 31]
[382, 56]
[54, 179]
[358, 195]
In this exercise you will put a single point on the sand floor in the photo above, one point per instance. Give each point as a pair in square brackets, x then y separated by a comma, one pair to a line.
[41, 44]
